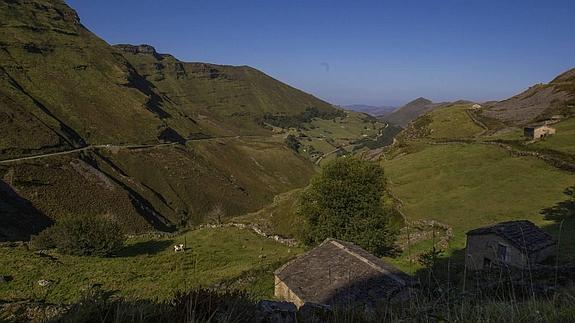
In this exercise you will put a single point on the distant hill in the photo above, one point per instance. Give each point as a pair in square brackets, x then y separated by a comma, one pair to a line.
[376, 111]
[539, 102]
[410, 111]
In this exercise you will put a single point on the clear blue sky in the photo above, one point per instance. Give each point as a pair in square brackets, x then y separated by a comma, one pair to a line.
[358, 51]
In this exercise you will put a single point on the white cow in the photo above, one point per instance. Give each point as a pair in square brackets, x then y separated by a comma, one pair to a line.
[179, 247]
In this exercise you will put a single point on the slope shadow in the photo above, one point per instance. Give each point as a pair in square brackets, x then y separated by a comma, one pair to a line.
[19, 219]
[145, 248]
[563, 227]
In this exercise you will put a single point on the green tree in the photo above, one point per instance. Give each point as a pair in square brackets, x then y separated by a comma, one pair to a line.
[293, 143]
[82, 236]
[346, 201]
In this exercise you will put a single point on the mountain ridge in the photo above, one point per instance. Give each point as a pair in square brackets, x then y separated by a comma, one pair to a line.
[167, 139]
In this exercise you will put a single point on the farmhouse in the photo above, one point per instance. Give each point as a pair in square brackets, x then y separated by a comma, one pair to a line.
[515, 243]
[538, 131]
[476, 106]
[338, 272]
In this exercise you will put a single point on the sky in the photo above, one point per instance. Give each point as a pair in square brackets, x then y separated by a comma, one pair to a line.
[358, 51]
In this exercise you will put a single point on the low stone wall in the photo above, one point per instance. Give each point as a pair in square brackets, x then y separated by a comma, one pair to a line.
[255, 229]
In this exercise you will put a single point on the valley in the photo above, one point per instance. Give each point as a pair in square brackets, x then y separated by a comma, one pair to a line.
[219, 158]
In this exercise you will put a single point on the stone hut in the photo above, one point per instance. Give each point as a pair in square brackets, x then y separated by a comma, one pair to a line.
[538, 131]
[339, 272]
[516, 243]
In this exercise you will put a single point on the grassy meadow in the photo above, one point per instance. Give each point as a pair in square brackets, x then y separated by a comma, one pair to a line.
[149, 268]
[563, 140]
[469, 185]
[452, 122]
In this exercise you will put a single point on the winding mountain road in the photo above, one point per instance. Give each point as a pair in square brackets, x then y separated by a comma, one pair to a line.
[111, 147]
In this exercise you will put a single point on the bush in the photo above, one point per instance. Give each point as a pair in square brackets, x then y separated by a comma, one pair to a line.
[81, 236]
[292, 142]
[346, 202]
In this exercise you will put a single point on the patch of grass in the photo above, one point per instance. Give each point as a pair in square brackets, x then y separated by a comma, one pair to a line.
[469, 185]
[452, 122]
[147, 268]
[563, 140]
[278, 217]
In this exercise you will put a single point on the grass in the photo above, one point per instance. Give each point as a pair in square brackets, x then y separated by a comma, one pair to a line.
[452, 122]
[563, 140]
[470, 185]
[278, 217]
[148, 268]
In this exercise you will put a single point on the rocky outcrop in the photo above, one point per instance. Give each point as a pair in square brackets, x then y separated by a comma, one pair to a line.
[142, 49]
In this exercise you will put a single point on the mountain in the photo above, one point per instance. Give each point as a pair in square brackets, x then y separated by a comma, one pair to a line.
[537, 103]
[131, 133]
[376, 111]
[410, 111]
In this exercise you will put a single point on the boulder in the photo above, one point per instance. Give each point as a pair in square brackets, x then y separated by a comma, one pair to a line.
[43, 282]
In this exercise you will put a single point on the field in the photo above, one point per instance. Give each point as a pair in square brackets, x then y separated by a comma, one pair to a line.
[473, 184]
[149, 268]
[452, 122]
[468, 186]
[278, 217]
[563, 140]
[325, 136]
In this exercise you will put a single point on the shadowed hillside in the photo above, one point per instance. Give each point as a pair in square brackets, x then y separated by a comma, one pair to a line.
[145, 138]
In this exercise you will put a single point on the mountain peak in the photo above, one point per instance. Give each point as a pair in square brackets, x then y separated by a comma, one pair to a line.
[420, 100]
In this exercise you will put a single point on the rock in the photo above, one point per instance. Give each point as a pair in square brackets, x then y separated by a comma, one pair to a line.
[43, 282]
[276, 312]
[5, 279]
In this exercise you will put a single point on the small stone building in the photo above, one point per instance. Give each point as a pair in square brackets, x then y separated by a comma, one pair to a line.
[538, 132]
[339, 272]
[515, 243]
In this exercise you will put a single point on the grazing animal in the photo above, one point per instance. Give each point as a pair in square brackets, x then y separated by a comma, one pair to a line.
[179, 247]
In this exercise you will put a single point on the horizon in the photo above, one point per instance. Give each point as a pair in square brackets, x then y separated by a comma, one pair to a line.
[378, 54]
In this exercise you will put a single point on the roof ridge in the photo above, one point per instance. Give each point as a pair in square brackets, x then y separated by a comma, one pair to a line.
[367, 261]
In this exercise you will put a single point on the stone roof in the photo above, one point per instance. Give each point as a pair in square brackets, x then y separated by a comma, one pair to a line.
[338, 271]
[523, 234]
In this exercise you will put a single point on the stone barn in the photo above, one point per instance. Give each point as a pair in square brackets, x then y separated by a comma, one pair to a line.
[515, 243]
[538, 132]
[339, 272]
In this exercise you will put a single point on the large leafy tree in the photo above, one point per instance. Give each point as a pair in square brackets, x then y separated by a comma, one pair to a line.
[346, 201]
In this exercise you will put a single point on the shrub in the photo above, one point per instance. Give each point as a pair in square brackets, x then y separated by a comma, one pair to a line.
[81, 236]
[292, 142]
[346, 202]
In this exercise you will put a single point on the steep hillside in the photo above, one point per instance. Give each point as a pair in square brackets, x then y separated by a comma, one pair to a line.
[140, 136]
[220, 100]
[539, 102]
[410, 111]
